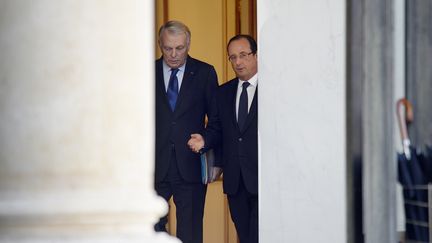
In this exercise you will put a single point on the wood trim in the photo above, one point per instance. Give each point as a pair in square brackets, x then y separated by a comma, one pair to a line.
[237, 16]
[253, 18]
[224, 41]
[165, 10]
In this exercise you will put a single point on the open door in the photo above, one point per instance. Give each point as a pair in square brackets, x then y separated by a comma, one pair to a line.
[212, 24]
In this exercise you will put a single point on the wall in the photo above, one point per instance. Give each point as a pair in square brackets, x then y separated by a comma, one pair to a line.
[419, 73]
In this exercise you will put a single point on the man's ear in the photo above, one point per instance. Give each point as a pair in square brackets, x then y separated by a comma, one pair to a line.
[188, 47]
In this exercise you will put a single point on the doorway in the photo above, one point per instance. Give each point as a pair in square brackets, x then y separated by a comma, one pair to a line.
[212, 24]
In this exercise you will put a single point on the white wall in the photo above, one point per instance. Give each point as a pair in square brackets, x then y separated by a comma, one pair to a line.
[302, 121]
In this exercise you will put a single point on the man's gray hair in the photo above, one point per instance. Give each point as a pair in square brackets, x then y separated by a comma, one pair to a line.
[175, 27]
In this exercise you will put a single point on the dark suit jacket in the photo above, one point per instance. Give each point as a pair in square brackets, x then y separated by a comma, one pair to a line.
[239, 148]
[173, 129]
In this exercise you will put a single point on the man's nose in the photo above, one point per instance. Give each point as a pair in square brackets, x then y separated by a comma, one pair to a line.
[173, 53]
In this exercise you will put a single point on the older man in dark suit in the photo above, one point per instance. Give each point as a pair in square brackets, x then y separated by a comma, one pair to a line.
[235, 127]
[184, 90]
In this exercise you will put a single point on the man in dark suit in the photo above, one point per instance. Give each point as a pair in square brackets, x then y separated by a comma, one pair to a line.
[234, 126]
[184, 91]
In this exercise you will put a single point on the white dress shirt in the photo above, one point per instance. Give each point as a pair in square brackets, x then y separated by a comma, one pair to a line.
[167, 74]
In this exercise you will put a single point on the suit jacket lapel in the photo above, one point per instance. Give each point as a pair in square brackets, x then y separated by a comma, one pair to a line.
[160, 84]
[187, 82]
[252, 111]
[233, 101]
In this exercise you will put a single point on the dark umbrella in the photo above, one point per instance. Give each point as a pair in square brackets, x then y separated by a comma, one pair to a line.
[425, 159]
[413, 181]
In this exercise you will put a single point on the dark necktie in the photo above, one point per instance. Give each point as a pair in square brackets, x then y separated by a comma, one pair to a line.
[243, 106]
[172, 91]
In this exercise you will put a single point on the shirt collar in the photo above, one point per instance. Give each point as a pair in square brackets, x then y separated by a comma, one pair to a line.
[167, 68]
[252, 81]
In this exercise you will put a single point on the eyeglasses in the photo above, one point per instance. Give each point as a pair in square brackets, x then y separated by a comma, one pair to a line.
[241, 56]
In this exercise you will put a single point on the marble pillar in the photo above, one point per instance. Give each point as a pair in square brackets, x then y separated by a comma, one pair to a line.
[379, 153]
[302, 121]
[77, 122]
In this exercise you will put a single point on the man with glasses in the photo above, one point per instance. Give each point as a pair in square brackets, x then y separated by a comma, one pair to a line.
[235, 128]
[184, 91]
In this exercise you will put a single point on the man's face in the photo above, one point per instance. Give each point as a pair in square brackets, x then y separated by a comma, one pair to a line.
[243, 61]
[174, 49]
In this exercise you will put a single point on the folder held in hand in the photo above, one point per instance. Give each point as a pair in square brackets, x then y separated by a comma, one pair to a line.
[209, 172]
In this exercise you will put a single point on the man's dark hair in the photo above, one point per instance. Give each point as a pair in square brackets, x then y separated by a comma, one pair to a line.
[250, 39]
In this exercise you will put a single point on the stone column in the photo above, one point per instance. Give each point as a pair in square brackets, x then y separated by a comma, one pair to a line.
[77, 121]
[355, 80]
[379, 154]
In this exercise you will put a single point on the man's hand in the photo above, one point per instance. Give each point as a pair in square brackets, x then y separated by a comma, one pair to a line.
[196, 142]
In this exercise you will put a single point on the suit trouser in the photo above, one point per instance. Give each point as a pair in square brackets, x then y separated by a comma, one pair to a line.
[189, 200]
[244, 213]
